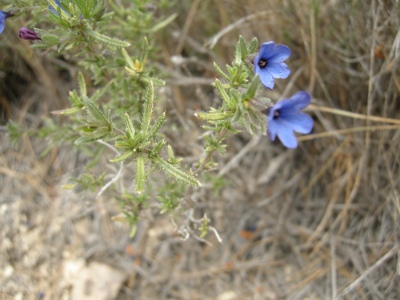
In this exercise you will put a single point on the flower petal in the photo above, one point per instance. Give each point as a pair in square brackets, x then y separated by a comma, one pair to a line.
[273, 128]
[300, 122]
[278, 70]
[295, 103]
[280, 53]
[265, 77]
[284, 132]
[288, 138]
[266, 50]
[3, 17]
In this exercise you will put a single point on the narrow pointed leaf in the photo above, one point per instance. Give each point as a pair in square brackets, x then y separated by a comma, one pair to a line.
[214, 115]
[106, 39]
[140, 174]
[163, 23]
[224, 95]
[220, 72]
[238, 55]
[88, 139]
[252, 45]
[50, 40]
[123, 156]
[129, 126]
[171, 155]
[159, 146]
[145, 49]
[85, 6]
[243, 47]
[148, 107]
[156, 126]
[176, 172]
[68, 111]
[128, 59]
[95, 111]
[252, 89]
[82, 84]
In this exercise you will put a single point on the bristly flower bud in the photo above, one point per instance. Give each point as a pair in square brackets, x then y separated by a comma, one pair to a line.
[28, 34]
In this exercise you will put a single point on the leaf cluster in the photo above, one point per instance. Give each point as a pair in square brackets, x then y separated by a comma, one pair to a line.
[238, 93]
[142, 145]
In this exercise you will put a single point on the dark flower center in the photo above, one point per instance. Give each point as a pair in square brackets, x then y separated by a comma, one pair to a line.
[262, 63]
[276, 114]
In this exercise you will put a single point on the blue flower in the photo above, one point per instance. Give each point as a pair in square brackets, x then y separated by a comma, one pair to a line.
[3, 16]
[269, 64]
[285, 117]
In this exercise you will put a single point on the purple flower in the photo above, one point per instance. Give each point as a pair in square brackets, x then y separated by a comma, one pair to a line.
[3, 16]
[285, 117]
[27, 34]
[269, 64]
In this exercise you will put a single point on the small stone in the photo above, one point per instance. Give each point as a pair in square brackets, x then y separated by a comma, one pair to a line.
[8, 271]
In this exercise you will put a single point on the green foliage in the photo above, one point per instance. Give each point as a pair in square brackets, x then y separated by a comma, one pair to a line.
[88, 182]
[115, 104]
[204, 227]
[239, 94]
[241, 106]
[142, 144]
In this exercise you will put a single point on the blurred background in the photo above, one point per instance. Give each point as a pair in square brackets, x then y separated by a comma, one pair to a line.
[318, 222]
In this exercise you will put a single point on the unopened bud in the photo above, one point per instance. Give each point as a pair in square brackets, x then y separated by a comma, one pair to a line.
[27, 34]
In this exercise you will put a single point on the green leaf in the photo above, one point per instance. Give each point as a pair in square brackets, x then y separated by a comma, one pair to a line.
[224, 95]
[56, 19]
[157, 148]
[128, 59]
[133, 231]
[163, 23]
[98, 10]
[214, 115]
[85, 6]
[82, 84]
[220, 72]
[176, 172]
[129, 126]
[68, 111]
[157, 125]
[238, 55]
[106, 39]
[140, 174]
[60, 12]
[75, 100]
[252, 45]
[123, 156]
[243, 47]
[50, 39]
[95, 111]
[231, 71]
[236, 96]
[252, 88]
[145, 49]
[148, 107]
[88, 139]
[40, 46]
[171, 156]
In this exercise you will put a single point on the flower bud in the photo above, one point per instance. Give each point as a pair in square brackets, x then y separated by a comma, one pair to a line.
[27, 34]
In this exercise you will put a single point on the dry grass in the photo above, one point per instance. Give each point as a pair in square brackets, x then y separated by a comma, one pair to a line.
[326, 216]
